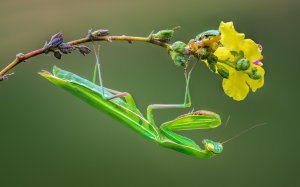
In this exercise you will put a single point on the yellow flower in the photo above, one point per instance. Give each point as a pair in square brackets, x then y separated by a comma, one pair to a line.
[242, 58]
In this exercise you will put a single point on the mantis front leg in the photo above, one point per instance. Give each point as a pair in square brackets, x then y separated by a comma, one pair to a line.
[187, 101]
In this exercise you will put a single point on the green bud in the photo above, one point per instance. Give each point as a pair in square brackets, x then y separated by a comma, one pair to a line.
[223, 71]
[253, 74]
[212, 67]
[212, 59]
[178, 58]
[178, 47]
[163, 34]
[242, 65]
[204, 53]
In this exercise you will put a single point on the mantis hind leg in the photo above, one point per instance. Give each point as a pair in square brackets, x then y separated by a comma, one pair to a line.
[127, 96]
[128, 99]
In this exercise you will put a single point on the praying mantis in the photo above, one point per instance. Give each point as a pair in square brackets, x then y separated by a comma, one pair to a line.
[109, 101]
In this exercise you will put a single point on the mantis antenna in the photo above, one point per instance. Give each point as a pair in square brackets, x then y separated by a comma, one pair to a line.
[226, 124]
[243, 132]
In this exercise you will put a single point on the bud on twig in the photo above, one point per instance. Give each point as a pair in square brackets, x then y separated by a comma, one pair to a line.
[56, 40]
[97, 33]
[177, 52]
[57, 54]
[83, 49]
[178, 47]
[66, 48]
[163, 35]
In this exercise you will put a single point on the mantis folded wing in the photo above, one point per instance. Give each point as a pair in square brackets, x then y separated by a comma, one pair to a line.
[127, 112]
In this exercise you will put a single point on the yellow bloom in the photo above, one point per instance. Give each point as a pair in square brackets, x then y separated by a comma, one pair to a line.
[234, 47]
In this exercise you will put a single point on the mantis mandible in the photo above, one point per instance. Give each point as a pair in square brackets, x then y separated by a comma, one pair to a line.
[125, 110]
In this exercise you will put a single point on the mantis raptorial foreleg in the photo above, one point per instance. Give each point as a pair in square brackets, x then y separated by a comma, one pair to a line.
[187, 99]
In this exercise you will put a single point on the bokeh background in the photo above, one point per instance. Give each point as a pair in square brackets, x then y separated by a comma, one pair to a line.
[51, 138]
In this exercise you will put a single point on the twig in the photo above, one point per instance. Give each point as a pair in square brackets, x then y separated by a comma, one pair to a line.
[23, 57]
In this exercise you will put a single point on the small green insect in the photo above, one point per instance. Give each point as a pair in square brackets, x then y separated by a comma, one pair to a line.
[208, 35]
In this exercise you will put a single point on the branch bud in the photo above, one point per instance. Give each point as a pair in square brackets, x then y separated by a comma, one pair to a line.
[179, 47]
[56, 40]
[178, 58]
[66, 48]
[97, 33]
[163, 35]
[84, 50]
[57, 54]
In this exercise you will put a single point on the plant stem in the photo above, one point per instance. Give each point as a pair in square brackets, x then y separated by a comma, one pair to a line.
[23, 57]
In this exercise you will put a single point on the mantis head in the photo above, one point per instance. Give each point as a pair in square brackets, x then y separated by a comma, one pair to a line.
[213, 147]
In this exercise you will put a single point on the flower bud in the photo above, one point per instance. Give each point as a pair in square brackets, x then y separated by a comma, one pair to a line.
[56, 40]
[212, 59]
[65, 48]
[242, 65]
[223, 71]
[163, 35]
[178, 47]
[204, 53]
[253, 74]
[97, 33]
[83, 49]
[100, 32]
[57, 54]
[178, 58]
[212, 67]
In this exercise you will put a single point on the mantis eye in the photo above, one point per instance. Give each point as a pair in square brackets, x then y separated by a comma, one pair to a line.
[218, 148]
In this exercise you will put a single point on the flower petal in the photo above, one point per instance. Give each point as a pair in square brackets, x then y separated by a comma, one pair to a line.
[223, 54]
[235, 41]
[251, 50]
[235, 86]
[231, 39]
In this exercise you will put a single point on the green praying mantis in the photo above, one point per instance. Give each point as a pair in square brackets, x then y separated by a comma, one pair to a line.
[127, 112]
[121, 106]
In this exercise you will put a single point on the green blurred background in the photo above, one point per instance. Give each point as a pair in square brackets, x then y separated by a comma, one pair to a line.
[51, 138]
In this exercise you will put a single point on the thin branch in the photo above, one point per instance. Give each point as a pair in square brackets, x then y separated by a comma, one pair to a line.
[22, 57]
